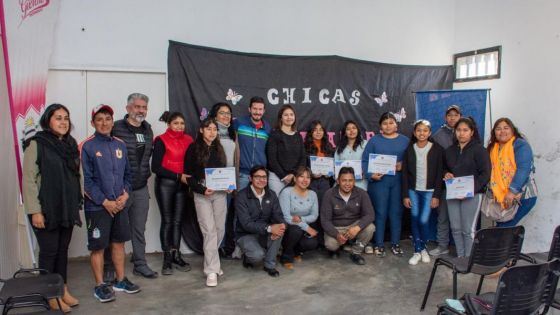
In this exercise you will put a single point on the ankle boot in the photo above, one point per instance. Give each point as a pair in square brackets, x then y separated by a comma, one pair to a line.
[179, 263]
[53, 304]
[167, 268]
[68, 298]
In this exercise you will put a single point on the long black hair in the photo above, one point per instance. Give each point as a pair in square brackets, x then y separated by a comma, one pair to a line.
[471, 124]
[45, 119]
[214, 114]
[202, 150]
[343, 139]
[514, 129]
[309, 144]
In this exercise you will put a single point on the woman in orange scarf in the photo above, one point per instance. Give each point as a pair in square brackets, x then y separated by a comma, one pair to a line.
[512, 178]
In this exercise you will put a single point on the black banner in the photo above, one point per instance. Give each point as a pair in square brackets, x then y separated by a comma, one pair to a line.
[330, 88]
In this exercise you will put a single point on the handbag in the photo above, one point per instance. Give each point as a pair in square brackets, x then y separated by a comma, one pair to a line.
[493, 209]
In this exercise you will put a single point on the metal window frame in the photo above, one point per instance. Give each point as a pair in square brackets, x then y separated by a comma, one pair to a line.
[474, 53]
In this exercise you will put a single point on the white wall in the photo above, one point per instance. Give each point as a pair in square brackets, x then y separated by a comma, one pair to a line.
[528, 90]
[129, 39]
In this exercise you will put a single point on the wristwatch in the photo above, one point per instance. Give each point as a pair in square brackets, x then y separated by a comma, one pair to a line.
[269, 229]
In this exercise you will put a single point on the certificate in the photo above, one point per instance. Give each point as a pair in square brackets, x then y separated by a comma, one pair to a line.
[322, 165]
[355, 164]
[382, 164]
[222, 178]
[460, 187]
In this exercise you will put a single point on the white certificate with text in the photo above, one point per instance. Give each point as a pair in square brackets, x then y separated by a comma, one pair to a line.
[460, 187]
[322, 165]
[382, 164]
[222, 178]
[355, 164]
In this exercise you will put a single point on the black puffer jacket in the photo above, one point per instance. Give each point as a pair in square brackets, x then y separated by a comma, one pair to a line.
[140, 173]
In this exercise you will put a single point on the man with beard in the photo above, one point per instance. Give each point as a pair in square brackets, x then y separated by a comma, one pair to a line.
[252, 133]
[137, 134]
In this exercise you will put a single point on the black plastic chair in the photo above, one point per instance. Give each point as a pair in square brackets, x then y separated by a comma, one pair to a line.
[493, 249]
[553, 253]
[31, 282]
[525, 289]
[36, 304]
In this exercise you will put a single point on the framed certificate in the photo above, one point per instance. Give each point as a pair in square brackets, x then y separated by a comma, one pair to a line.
[382, 164]
[460, 187]
[322, 165]
[222, 178]
[355, 164]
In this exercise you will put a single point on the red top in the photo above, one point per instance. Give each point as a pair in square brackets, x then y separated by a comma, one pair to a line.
[176, 145]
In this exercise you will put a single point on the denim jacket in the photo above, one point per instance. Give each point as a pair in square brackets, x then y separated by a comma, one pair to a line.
[524, 161]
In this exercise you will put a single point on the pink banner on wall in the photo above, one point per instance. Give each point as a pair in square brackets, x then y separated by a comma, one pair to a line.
[27, 39]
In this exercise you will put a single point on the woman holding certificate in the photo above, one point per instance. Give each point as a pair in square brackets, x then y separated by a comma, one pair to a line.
[168, 161]
[284, 150]
[301, 209]
[382, 159]
[421, 185]
[317, 145]
[465, 158]
[207, 153]
[350, 148]
[512, 178]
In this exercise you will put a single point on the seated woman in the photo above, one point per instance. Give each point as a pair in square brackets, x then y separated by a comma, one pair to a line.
[300, 208]
[512, 169]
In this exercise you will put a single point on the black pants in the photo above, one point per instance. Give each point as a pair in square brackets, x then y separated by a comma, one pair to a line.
[171, 198]
[296, 241]
[53, 249]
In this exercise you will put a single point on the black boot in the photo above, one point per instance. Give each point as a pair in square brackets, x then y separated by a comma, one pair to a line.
[167, 268]
[179, 263]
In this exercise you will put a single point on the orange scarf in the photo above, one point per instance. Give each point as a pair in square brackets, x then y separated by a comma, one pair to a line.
[503, 169]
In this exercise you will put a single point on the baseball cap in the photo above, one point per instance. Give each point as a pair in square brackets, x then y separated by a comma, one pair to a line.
[99, 107]
[453, 107]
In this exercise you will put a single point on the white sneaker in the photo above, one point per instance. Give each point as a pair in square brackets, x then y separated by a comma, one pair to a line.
[425, 256]
[368, 250]
[415, 259]
[212, 280]
[221, 273]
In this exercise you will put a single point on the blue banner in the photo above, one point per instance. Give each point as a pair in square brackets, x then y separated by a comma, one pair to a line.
[431, 105]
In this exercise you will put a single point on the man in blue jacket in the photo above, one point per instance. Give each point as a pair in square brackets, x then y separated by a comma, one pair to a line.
[107, 183]
[252, 135]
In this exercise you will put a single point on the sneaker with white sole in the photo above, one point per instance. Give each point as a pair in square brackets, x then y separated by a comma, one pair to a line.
[425, 256]
[415, 259]
[368, 250]
[212, 280]
[439, 251]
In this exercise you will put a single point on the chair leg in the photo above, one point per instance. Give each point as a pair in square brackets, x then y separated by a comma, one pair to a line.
[429, 287]
[479, 285]
[454, 284]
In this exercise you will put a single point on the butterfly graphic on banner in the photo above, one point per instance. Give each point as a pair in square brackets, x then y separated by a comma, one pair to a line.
[400, 115]
[233, 96]
[382, 99]
[203, 113]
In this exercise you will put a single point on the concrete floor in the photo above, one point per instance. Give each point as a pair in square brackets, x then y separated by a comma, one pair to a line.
[318, 285]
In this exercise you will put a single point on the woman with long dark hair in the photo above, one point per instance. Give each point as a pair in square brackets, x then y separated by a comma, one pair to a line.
[466, 157]
[52, 194]
[317, 144]
[207, 152]
[168, 162]
[513, 170]
[351, 146]
[422, 172]
[385, 190]
[284, 150]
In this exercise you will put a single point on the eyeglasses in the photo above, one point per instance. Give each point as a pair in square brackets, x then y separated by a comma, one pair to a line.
[224, 113]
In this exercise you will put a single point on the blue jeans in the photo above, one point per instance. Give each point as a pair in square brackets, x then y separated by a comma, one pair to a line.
[524, 208]
[386, 198]
[420, 217]
[243, 181]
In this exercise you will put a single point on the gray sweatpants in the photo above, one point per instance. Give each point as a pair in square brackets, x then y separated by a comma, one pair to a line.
[257, 248]
[443, 223]
[463, 215]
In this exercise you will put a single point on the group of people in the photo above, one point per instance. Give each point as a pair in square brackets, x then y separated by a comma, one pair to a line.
[279, 204]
